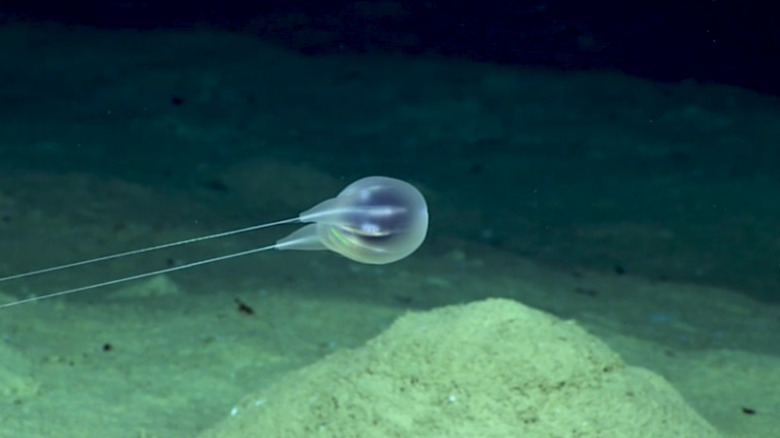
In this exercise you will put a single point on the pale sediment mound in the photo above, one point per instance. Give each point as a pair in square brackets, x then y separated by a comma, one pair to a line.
[490, 369]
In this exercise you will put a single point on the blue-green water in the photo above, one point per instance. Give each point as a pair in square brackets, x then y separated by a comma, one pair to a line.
[647, 212]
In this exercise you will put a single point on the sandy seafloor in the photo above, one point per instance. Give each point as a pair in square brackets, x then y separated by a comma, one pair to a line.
[586, 195]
